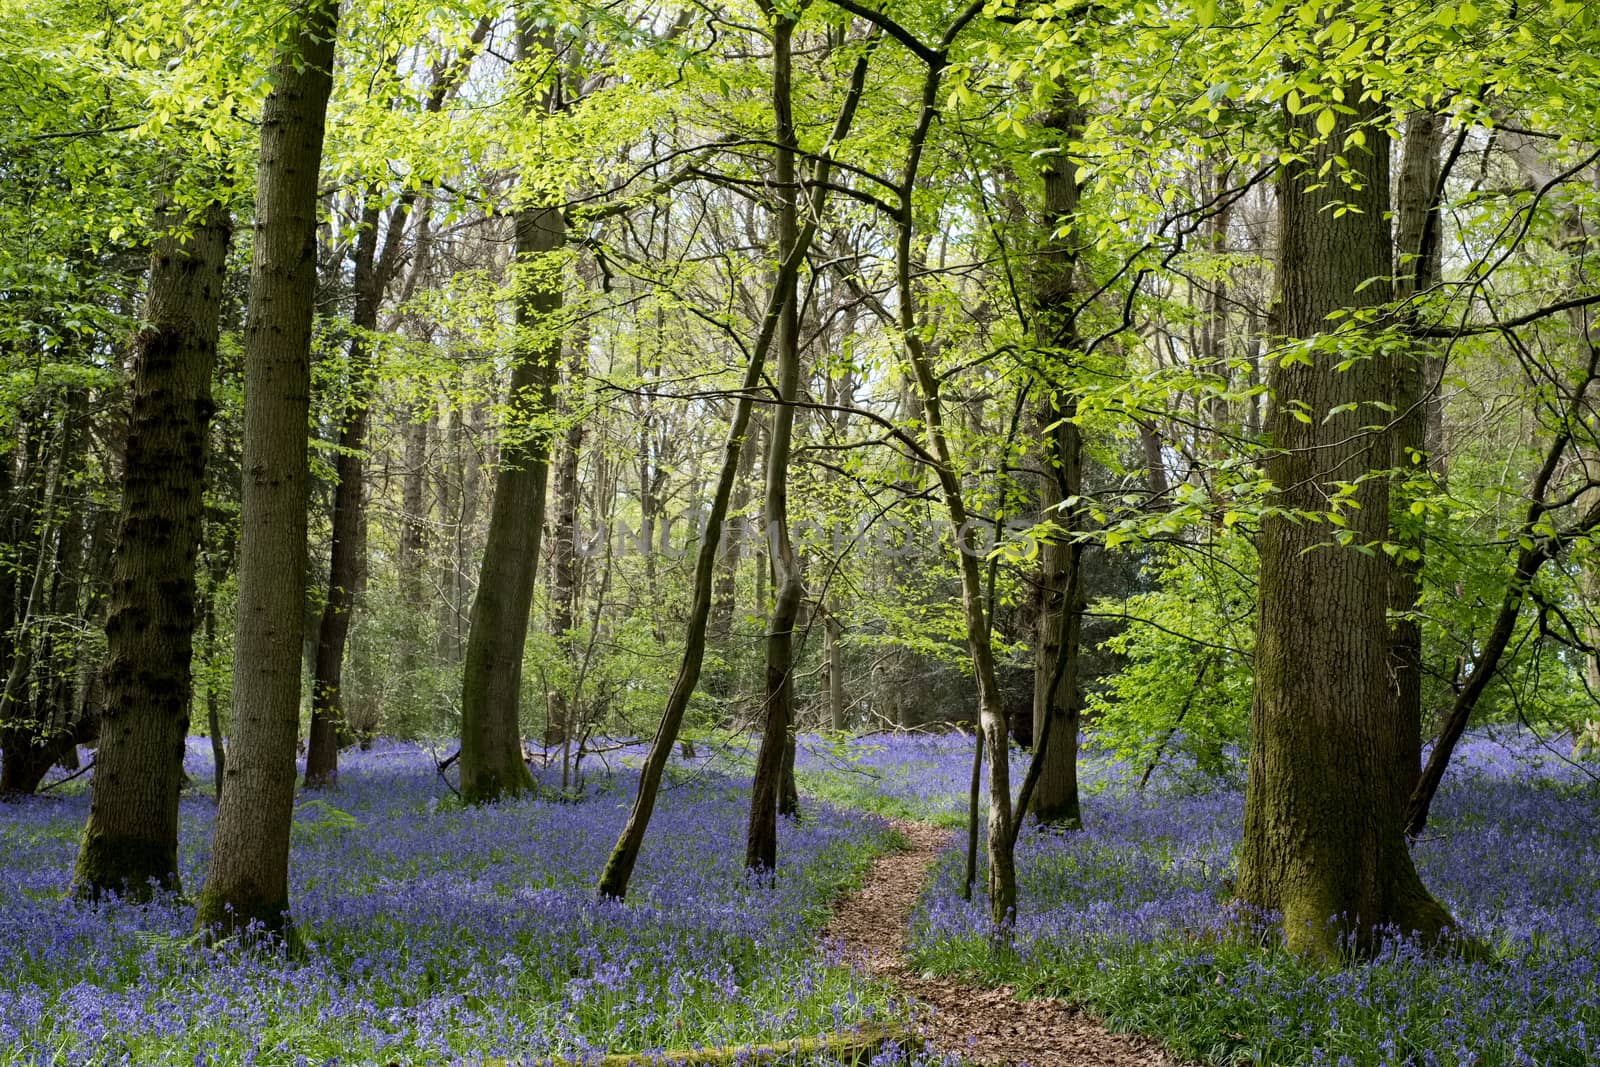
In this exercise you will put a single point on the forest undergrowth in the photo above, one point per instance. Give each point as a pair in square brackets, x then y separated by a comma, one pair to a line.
[1131, 918]
[435, 933]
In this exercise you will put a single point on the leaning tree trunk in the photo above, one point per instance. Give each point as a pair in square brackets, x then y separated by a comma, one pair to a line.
[1323, 845]
[761, 836]
[1055, 667]
[131, 840]
[248, 881]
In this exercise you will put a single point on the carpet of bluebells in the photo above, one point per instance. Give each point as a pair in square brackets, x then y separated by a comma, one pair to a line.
[1130, 919]
[437, 934]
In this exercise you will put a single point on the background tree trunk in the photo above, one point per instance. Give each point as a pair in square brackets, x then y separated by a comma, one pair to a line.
[344, 562]
[1417, 269]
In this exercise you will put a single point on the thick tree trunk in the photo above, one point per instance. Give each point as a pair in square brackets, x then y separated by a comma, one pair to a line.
[248, 881]
[761, 836]
[1322, 834]
[619, 867]
[131, 839]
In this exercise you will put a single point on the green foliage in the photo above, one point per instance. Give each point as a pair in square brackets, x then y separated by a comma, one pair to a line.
[1183, 691]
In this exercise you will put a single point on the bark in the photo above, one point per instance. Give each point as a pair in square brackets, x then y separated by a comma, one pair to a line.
[1416, 270]
[1055, 801]
[1323, 846]
[497, 633]
[761, 835]
[131, 840]
[248, 880]
[619, 867]
[491, 736]
[344, 562]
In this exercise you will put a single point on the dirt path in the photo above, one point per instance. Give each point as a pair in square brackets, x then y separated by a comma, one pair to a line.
[982, 1026]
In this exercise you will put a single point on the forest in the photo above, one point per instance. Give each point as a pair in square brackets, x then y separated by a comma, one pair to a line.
[800, 531]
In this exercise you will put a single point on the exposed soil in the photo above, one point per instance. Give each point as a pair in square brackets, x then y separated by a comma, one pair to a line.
[980, 1025]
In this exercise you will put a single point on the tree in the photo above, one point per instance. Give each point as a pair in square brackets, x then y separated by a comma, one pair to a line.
[131, 840]
[248, 880]
[761, 838]
[1323, 845]
[1055, 669]
[619, 865]
[491, 684]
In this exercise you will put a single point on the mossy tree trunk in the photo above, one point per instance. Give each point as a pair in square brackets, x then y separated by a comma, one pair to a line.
[1323, 845]
[248, 881]
[131, 840]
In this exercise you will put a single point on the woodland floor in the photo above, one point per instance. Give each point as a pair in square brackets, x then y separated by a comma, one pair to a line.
[981, 1025]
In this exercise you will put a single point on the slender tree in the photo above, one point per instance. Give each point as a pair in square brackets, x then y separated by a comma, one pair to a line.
[619, 866]
[761, 837]
[248, 881]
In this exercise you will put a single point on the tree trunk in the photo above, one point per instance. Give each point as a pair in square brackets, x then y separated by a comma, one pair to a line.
[1417, 268]
[1055, 666]
[1322, 832]
[248, 881]
[131, 840]
[567, 569]
[491, 734]
[344, 563]
[761, 837]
